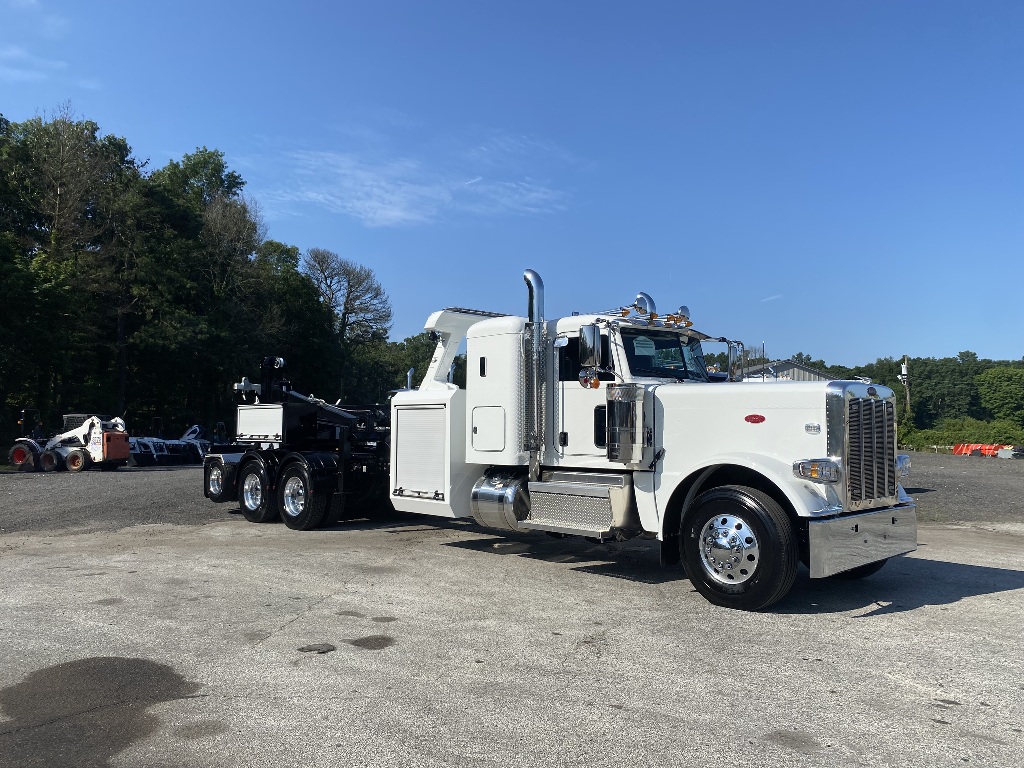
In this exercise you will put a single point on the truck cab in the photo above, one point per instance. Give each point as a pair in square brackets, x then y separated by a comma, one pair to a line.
[609, 426]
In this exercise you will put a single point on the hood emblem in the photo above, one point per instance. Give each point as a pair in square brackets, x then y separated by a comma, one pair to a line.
[754, 418]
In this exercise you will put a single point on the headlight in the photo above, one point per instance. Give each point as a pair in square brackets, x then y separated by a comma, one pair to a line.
[817, 470]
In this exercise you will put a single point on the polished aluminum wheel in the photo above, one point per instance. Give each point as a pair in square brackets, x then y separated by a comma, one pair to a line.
[216, 482]
[252, 492]
[729, 549]
[293, 499]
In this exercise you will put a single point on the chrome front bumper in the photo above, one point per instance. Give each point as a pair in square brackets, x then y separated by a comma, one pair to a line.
[841, 543]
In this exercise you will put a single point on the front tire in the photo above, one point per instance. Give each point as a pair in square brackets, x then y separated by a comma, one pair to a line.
[739, 548]
[254, 494]
[77, 460]
[302, 508]
[22, 457]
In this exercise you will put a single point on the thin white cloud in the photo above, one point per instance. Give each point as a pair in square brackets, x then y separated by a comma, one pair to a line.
[379, 194]
[503, 150]
[391, 191]
[19, 66]
[524, 196]
[773, 298]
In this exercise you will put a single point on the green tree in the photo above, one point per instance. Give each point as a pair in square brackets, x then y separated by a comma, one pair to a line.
[361, 312]
[1001, 392]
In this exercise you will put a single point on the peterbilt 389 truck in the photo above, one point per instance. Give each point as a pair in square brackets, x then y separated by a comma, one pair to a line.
[606, 426]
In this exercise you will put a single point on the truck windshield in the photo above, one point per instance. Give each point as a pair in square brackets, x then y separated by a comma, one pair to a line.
[662, 354]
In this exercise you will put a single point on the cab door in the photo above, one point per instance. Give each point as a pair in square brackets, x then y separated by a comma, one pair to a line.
[580, 411]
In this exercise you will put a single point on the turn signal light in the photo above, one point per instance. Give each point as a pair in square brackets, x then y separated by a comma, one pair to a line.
[817, 470]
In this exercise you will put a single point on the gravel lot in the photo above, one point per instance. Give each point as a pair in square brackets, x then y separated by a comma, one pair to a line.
[968, 489]
[144, 626]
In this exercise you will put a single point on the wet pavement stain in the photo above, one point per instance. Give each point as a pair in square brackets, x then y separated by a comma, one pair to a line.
[355, 614]
[373, 642]
[108, 601]
[795, 740]
[84, 712]
[384, 619]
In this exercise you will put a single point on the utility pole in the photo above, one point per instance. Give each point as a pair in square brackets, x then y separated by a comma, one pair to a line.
[904, 377]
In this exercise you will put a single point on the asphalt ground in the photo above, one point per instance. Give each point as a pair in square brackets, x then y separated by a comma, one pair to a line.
[142, 625]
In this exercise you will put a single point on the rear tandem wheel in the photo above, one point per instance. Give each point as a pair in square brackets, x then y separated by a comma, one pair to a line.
[302, 508]
[257, 501]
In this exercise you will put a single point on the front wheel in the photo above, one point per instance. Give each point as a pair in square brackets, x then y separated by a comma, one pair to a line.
[77, 460]
[739, 548]
[22, 457]
[302, 509]
[254, 493]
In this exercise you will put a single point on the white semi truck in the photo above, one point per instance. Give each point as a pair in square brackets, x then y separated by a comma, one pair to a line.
[606, 426]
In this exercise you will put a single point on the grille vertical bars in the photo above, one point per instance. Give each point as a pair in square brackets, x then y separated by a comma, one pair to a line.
[871, 449]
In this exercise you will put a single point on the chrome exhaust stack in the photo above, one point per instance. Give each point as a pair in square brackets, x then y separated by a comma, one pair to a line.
[534, 433]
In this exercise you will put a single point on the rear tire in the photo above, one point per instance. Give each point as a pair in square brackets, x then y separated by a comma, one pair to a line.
[77, 460]
[739, 548]
[254, 494]
[51, 461]
[302, 508]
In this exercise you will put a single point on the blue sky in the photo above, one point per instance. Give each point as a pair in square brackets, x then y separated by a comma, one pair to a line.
[844, 179]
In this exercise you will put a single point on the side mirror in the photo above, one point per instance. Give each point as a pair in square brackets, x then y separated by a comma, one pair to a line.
[590, 347]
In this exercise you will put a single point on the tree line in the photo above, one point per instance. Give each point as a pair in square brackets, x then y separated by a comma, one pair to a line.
[144, 292]
[962, 399]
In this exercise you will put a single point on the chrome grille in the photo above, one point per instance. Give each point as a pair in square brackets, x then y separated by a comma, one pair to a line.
[871, 449]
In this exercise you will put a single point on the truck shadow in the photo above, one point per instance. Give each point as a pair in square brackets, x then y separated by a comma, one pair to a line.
[637, 560]
[904, 584]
